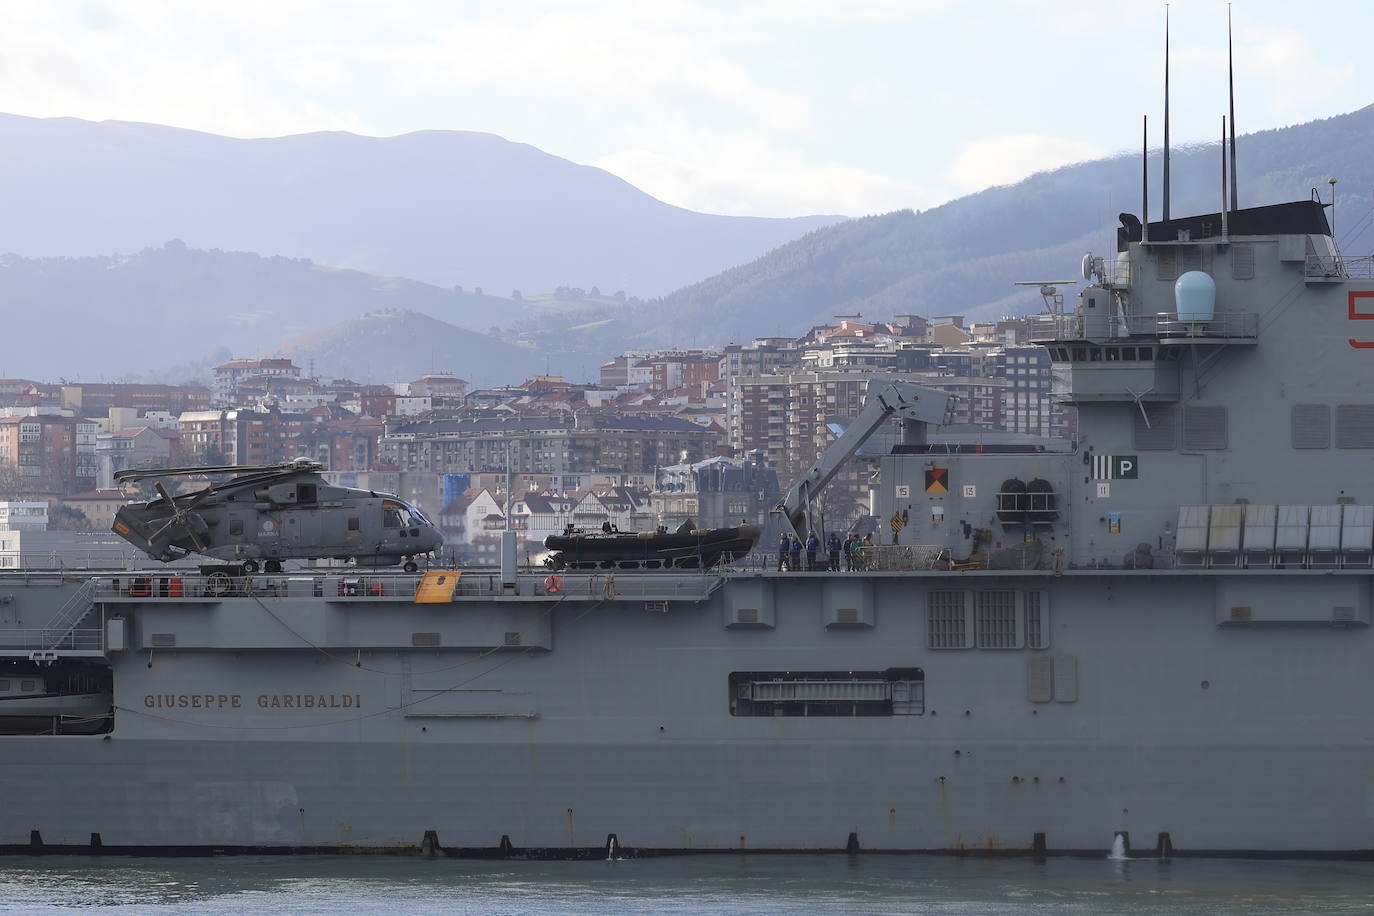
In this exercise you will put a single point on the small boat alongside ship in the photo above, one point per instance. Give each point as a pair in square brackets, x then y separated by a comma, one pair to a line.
[688, 547]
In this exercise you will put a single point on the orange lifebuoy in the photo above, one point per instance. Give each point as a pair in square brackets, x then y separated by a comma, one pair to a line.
[553, 585]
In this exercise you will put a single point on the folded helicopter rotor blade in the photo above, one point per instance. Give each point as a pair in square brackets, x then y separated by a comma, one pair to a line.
[166, 497]
[199, 497]
[137, 474]
[157, 535]
[195, 537]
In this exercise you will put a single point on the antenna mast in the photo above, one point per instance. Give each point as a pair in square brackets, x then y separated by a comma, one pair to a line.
[1166, 112]
[1231, 93]
[1145, 178]
[1223, 179]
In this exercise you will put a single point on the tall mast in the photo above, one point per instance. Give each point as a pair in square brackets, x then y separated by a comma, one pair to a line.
[1145, 178]
[1166, 112]
[1231, 93]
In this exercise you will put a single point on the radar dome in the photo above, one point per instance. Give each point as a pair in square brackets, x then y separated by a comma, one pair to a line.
[1195, 296]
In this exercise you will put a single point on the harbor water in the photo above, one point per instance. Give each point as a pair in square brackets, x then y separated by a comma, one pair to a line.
[719, 884]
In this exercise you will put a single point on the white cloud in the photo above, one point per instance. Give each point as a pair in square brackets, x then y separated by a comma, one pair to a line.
[1007, 159]
[1291, 70]
[147, 62]
[589, 59]
[743, 175]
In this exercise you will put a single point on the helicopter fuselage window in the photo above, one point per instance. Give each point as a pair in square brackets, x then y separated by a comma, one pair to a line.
[236, 527]
[305, 493]
[353, 524]
[391, 518]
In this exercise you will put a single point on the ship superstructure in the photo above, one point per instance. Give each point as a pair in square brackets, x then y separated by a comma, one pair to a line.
[1160, 632]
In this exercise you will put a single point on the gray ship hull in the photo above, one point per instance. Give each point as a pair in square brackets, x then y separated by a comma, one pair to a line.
[690, 797]
[553, 722]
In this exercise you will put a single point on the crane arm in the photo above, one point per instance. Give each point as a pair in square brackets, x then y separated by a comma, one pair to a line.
[886, 398]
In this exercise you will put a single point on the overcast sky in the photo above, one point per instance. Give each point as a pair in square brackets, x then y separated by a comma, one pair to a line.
[773, 108]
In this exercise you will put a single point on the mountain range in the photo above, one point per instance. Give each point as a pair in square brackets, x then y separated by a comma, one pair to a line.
[174, 305]
[451, 208]
[964, 256]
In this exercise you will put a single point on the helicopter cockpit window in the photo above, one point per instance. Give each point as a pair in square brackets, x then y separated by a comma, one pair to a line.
[415, 517]
[391, 518]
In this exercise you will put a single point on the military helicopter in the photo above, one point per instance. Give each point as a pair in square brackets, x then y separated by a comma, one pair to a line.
[269, 513]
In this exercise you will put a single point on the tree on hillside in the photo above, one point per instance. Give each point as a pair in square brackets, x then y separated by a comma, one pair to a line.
[213, 455]
[9, 482]
[65, 518]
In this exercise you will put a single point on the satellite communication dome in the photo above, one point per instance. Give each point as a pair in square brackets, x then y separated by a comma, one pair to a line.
[1195, 296]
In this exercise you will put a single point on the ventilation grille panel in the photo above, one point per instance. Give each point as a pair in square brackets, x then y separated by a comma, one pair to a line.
[1204, 427]
[995, 619]
[1160, 433]
[1311, 426]
[1355, 426]
[946, 623]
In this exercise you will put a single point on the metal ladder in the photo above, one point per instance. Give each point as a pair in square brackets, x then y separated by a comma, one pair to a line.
[78, 607]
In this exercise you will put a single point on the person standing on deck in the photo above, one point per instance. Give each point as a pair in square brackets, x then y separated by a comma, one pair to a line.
[784, 551]
[795, 562]
[833, 545]
[813, 544]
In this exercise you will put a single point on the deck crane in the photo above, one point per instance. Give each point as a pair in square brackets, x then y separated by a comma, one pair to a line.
[914, 405]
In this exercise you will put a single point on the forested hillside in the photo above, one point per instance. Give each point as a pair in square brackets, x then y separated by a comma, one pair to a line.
[173, 306]
[963, 257]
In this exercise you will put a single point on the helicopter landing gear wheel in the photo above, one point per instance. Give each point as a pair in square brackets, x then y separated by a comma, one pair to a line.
[272, 566]
[411, 566]
[250, 567]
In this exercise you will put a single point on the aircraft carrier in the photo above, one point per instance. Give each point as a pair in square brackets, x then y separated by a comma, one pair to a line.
[1159, 635]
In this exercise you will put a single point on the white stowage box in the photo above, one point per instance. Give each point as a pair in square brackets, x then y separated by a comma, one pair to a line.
[1357, 535]
[1260, 522]
[1191, 544]
[1324, 536]
[1290, 538]
[1223, 536]
[116, 634]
